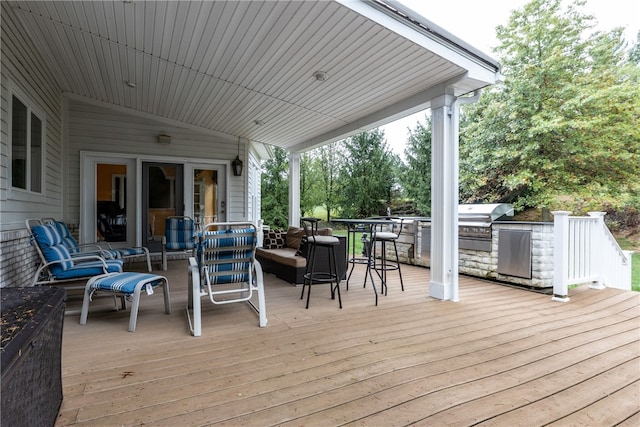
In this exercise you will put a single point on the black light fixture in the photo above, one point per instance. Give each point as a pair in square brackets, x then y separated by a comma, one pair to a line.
[236, 164]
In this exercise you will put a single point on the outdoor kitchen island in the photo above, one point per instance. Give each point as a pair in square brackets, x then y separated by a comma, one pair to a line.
[491, 246]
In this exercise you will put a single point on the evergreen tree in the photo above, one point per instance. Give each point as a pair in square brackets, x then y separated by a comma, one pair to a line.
[329, 162]
[310, 192]
[275, 190]
[367, 175]
[416, 176]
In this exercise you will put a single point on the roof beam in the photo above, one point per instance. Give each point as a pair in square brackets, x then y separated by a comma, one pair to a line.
[418, 102]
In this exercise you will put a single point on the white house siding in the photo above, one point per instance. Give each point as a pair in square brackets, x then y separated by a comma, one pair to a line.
[95, 128]
[23, 70]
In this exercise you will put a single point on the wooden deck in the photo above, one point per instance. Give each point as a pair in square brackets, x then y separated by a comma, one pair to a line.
[500, 356]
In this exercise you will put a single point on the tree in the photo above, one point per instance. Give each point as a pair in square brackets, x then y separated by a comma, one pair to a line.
[564, 121]
[416, 176]
[275, 190]
[367, 175]
[310, 192]
[329, 163]
[634, 53]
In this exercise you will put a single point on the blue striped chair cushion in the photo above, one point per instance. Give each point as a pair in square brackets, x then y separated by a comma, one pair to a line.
[129, 251]
[50, 243]
[179, 233]
[72, 244]
[90, 268]
[239, 270]
[123, 282]
[65, 235]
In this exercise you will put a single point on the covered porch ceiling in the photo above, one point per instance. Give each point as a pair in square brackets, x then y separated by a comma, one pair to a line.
[246, 69]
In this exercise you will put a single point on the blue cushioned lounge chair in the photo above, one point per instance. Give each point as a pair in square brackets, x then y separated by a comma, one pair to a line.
[57, 263]
[103, 249]
[225, 270]
[74, 248]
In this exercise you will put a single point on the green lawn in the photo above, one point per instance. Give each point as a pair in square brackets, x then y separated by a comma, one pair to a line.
[357, 242]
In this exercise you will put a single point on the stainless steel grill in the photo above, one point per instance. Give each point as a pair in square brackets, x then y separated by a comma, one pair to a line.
[474, 224]
[474, 227]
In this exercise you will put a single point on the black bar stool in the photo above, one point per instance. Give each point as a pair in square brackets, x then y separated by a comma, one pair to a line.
[384, 236]
[311, 276]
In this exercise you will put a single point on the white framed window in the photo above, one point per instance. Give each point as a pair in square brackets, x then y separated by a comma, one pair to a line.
[27, 145]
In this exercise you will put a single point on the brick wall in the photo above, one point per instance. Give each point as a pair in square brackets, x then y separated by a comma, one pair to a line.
[18, 259]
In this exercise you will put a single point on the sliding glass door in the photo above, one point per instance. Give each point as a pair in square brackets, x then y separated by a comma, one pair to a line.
[162, 196]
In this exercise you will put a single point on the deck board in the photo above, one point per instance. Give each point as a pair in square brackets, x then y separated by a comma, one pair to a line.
[499, 356]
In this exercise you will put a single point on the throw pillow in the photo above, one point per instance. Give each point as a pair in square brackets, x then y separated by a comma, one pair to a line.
[325, 231]
[294, 237]
[273, 239]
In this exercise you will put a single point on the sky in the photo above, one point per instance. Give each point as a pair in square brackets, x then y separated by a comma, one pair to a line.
[474, 21]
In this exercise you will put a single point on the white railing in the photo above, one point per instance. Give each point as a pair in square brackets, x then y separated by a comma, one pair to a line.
[585, 251]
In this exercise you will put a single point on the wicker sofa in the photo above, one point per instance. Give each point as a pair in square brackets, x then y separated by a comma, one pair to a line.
[283, 254]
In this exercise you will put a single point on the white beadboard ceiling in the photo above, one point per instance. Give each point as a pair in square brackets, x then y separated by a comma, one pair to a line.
[245, 68]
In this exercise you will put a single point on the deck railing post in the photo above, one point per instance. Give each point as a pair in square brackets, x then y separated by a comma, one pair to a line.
[597, 243]
[560, 256]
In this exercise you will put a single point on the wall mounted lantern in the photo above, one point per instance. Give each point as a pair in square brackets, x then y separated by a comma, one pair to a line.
[236, 164]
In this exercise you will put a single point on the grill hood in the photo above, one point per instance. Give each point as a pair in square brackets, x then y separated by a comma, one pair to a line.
[486, 213]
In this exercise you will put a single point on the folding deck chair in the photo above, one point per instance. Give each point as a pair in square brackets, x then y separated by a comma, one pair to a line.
[225, 270]
[179, 235]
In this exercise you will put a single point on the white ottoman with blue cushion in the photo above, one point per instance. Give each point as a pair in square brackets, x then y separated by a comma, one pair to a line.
[129, 284]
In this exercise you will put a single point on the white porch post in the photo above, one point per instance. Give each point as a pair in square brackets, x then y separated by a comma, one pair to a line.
[597, 242]
[561, 256]
[294, 189]
[444, 199]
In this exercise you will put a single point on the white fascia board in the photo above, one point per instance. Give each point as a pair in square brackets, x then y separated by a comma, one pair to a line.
[262, 151]
[456, 51]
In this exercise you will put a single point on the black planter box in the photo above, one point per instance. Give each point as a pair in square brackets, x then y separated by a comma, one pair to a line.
[31, 344]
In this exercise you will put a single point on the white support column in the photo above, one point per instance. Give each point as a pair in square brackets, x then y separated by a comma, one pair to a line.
[444, 199]
[294, 189]
[560, 256]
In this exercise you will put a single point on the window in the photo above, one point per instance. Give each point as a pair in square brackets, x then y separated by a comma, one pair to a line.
[26, 147]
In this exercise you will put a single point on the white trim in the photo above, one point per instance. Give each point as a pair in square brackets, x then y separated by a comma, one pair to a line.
[447, 46]
[16, 193]
[294, 189]
[88, 164]
[89, 160]
[222, 170]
